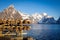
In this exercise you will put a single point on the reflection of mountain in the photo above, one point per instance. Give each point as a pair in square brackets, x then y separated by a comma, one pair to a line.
[11, 13]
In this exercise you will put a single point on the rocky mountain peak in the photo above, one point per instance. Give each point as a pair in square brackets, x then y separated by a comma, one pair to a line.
[10, 13]
[44, 14]
[11, 6]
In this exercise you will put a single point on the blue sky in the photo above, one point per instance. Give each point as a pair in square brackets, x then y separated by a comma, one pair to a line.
[51, 7]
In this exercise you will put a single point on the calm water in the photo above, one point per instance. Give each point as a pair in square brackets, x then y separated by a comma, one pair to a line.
[45, 31]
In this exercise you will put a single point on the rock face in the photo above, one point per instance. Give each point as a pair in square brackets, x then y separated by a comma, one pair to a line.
[58, 21]
[10, 13]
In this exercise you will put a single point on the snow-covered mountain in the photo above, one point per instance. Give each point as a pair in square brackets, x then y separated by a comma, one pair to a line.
[43, 18]
[58, 21]
[40, 18]
[24, 16]
[36, 17]
[48, 20]
[10, 13]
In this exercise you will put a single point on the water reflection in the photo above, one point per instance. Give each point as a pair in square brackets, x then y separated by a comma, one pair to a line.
[45, 31]
[40, 32]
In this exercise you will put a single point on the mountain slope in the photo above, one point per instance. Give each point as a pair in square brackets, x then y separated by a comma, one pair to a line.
[43, 18]
[48, 20]
[58, 21]
[10, 13]
[24, 16]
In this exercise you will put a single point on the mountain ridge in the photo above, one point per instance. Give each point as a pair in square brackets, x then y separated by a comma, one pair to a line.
[12, 13]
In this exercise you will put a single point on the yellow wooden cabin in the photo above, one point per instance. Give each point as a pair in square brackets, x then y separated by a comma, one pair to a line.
[26, 21]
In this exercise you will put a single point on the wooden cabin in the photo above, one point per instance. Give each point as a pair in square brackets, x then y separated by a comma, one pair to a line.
[21, 21]
[1, 21]
[26, 21]
[5, 21]
[12, 22]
